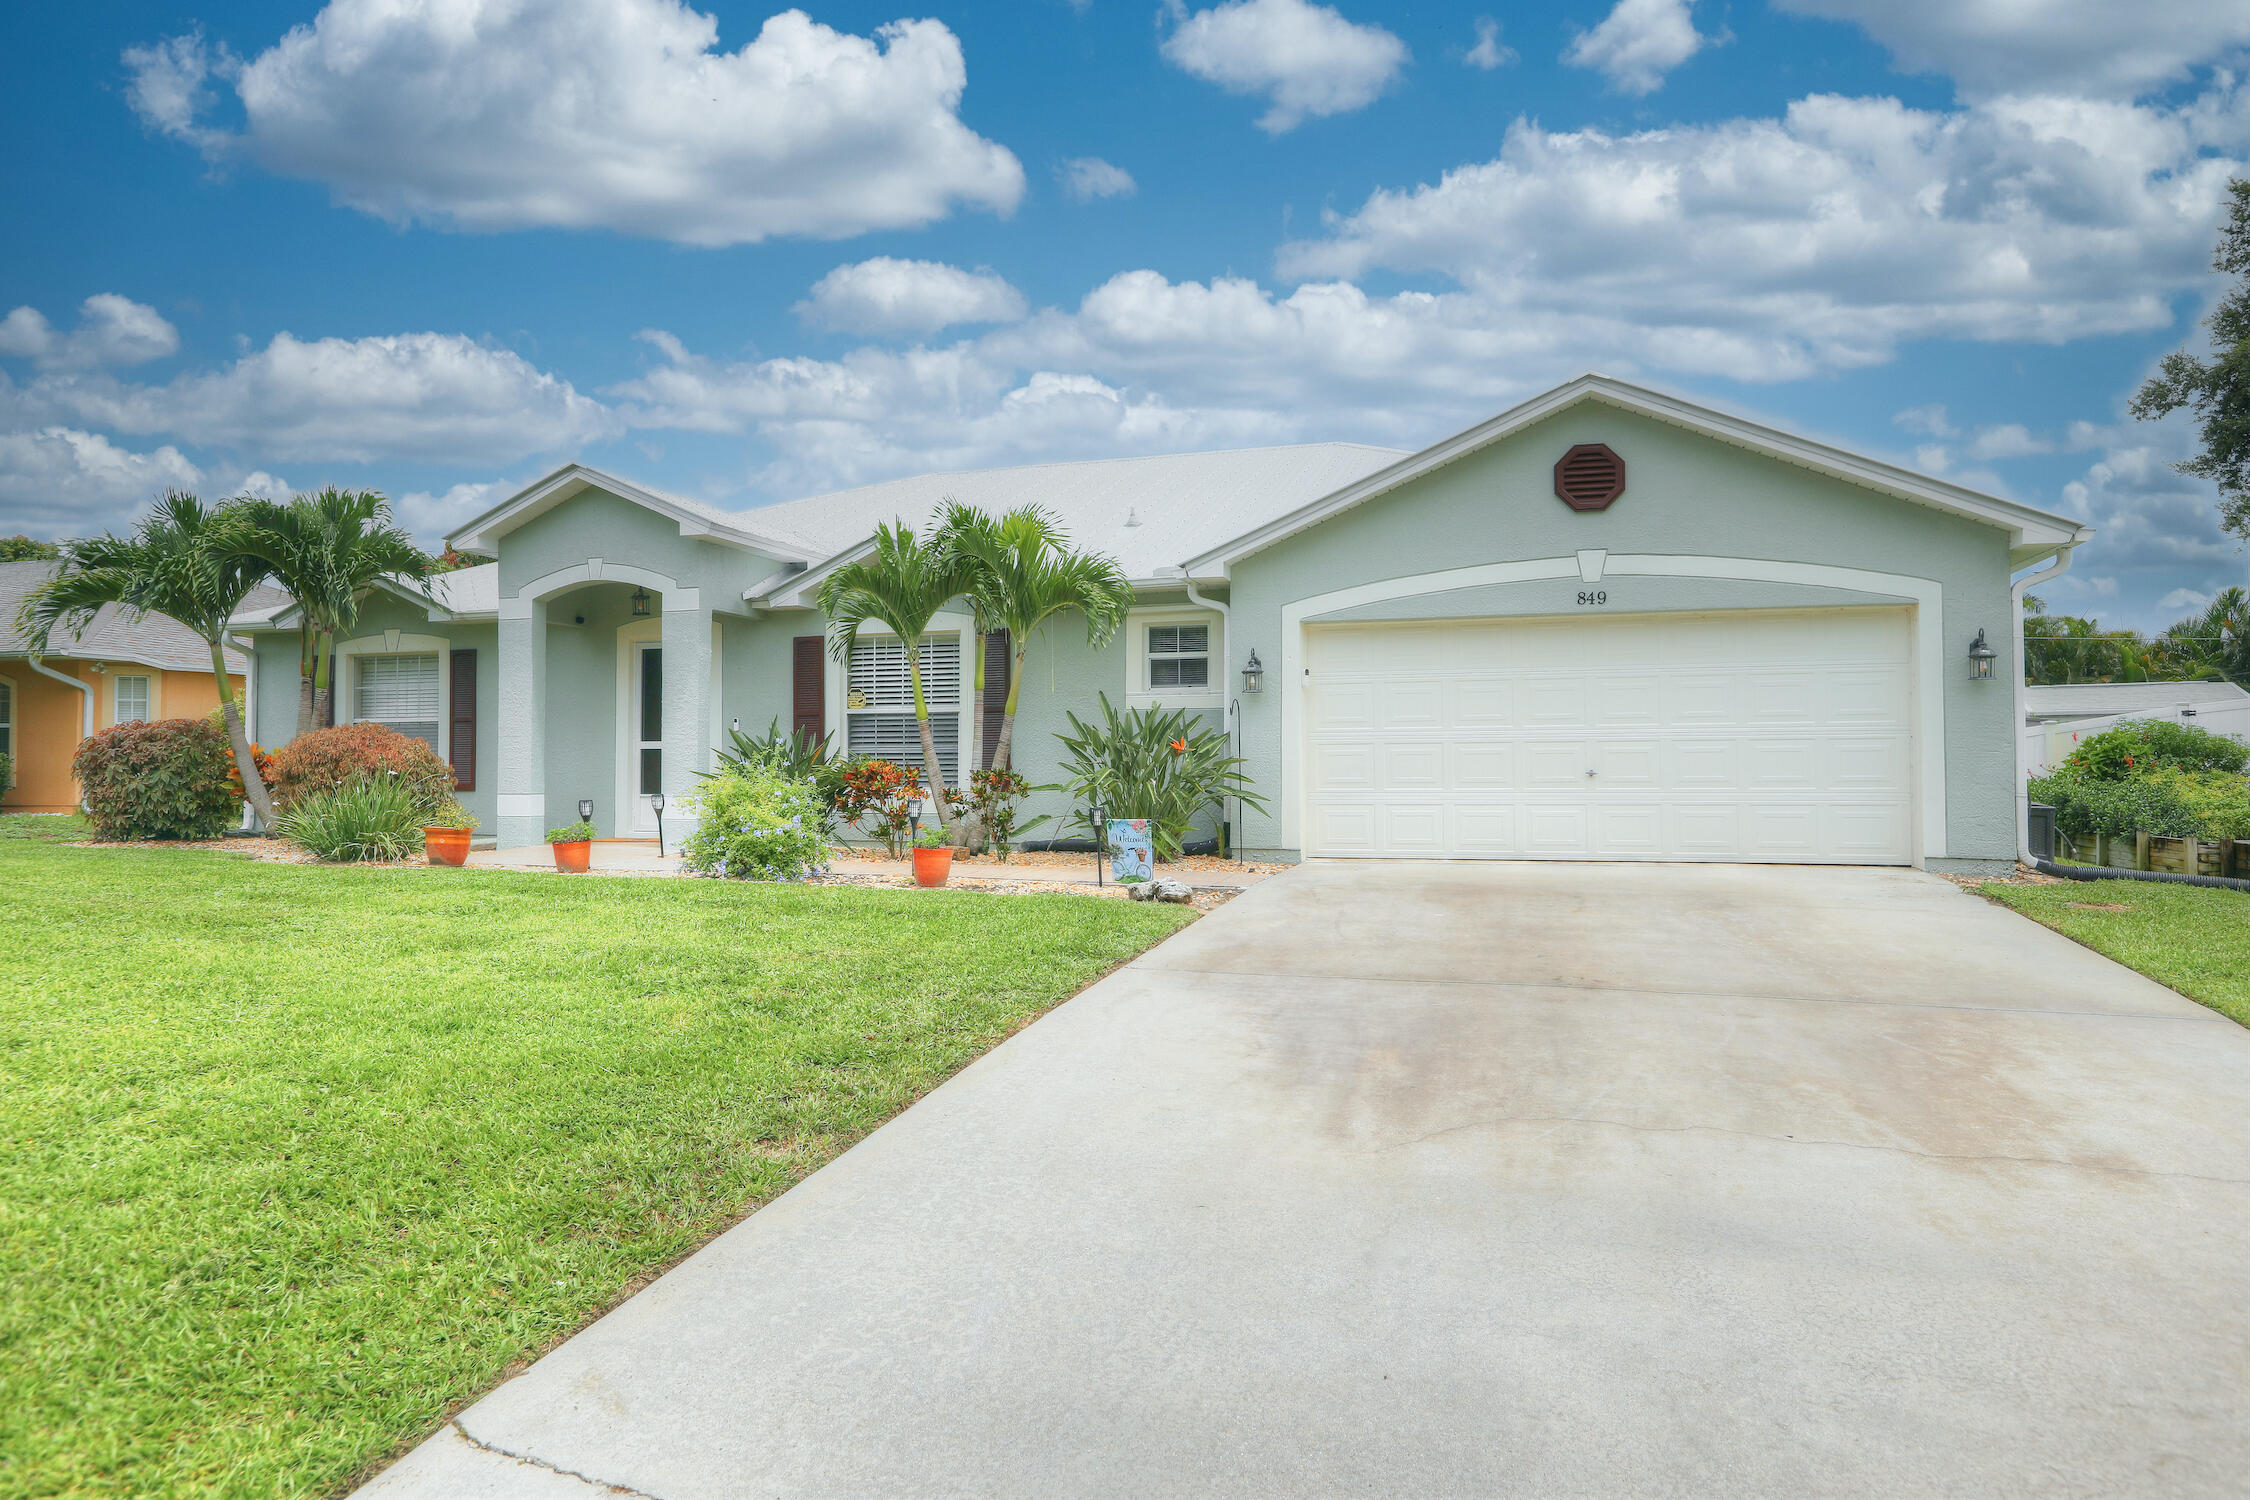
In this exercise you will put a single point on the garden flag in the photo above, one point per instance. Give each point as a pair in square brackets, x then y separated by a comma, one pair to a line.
[1130, 857]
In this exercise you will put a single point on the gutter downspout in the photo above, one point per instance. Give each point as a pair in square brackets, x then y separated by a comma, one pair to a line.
[2015, 728]
[85, 691]
[248, 646]
[1233, 709]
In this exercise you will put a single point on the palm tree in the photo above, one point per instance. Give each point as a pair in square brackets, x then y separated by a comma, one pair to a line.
[902, 584]
[1020, 573]
[327, 549]
[180, 562]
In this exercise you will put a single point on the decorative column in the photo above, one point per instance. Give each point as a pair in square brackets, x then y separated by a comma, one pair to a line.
[522, 726]
[687, 706]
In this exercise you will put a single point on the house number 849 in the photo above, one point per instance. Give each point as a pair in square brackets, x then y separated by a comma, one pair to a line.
[1593, 596]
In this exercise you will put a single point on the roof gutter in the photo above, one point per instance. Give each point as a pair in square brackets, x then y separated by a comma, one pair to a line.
[2015, 728]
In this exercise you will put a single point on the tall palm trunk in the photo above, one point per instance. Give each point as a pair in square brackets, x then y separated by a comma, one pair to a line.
[931, 768]
[253, 785]
[324, 691]
[1006, 742]
[308, 707]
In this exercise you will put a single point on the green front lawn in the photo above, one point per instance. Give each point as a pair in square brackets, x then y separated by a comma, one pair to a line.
[2195, 939]
[295, 1159]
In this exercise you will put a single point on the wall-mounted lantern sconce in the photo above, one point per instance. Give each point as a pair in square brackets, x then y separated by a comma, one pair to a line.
[1253, 674]
[1981, 658]
[640, 604]
[585, 809]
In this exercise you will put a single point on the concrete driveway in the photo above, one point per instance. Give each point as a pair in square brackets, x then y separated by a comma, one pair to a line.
[1459, 1179]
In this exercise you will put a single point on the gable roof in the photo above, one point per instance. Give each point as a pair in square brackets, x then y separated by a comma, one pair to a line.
[2032, 533]
[2092, 700]
[114, 634]
[466, 593]
[694, 518]
[1148, 513]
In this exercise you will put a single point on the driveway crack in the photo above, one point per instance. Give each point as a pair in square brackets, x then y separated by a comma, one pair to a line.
[1806, 1140]
[539, 1463]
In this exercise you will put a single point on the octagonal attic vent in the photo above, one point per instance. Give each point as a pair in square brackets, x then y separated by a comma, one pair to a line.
[1589, 477]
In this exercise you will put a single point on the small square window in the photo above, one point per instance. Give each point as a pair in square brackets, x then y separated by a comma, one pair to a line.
[132, 699]
[1179, 656]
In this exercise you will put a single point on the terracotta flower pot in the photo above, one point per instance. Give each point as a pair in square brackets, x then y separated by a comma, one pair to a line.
[572, 859]
[446, 846]
[931, 866]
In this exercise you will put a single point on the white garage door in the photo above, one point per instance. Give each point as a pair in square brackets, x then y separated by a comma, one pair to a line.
[1778, 736]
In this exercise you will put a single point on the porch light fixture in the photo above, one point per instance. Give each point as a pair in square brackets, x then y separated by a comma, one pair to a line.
[640, 604]
[1253, 673]
[585, 809]
[1981, 658]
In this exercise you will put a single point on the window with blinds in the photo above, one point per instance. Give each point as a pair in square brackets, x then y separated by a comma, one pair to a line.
[399, 691]
[879, 702]
[132, 700]
[7, 718]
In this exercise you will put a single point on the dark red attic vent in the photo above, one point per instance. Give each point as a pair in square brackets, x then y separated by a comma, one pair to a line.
[1589, 477]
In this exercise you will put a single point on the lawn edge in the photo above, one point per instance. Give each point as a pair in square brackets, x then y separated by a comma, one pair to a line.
[648, 1278]
[1980, 889]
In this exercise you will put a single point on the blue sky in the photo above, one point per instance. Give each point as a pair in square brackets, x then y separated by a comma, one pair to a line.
[748, 255]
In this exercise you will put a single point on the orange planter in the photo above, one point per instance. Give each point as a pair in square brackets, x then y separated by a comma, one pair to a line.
[446, 846]
[572, 859]
[931, 866]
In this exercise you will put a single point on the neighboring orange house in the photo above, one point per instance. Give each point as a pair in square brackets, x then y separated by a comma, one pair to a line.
[116, 669]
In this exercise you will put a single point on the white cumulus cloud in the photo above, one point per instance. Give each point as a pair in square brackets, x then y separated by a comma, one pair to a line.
[1638, 43]
[112, 330]
[1085, 178]
[61, 479]
[884, 295]
[2079, 46]
[2012, 440]
[417, 395]
[1489, 52]
[597, 114]
[1306, 59]
[1773, 248]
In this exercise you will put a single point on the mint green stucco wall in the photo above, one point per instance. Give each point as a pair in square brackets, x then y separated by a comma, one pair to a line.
[275, 721]
[1686, 495]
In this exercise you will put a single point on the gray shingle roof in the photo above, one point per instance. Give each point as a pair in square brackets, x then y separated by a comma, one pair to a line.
[114, 634]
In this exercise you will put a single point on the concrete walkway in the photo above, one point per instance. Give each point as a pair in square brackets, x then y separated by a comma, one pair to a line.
[640, 857]
[1455, 1179]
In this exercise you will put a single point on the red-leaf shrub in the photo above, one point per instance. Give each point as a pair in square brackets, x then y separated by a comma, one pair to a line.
[168, 779]
[325, 759]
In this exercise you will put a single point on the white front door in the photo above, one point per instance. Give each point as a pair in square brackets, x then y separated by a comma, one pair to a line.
[1781, 736]
[642, 734]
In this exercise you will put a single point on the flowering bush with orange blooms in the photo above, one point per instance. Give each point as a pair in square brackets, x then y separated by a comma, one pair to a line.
[882, 790]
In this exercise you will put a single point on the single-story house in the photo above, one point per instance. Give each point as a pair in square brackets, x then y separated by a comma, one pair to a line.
[2057, 716]
[116, 669]
[1607, 624]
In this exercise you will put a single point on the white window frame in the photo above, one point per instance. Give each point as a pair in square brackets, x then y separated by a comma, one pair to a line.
[344, 691]
[150, 712]
[1140, 692]
[8, 716]
[839, 682]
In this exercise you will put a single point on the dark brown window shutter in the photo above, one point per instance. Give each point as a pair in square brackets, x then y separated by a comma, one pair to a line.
[464, 735]
[808, 689]
[328, 719]
[997, 660]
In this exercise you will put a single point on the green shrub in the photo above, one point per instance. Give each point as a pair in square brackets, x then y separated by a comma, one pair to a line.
[328, 759]
[7, 771]
[452, 815]
[165, 779]
[796, 757]
[756, 824]
[2145, 744]
[580, 832]
[2217, 802]
[376, 818]
[1153, 765]
[2164, 801]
